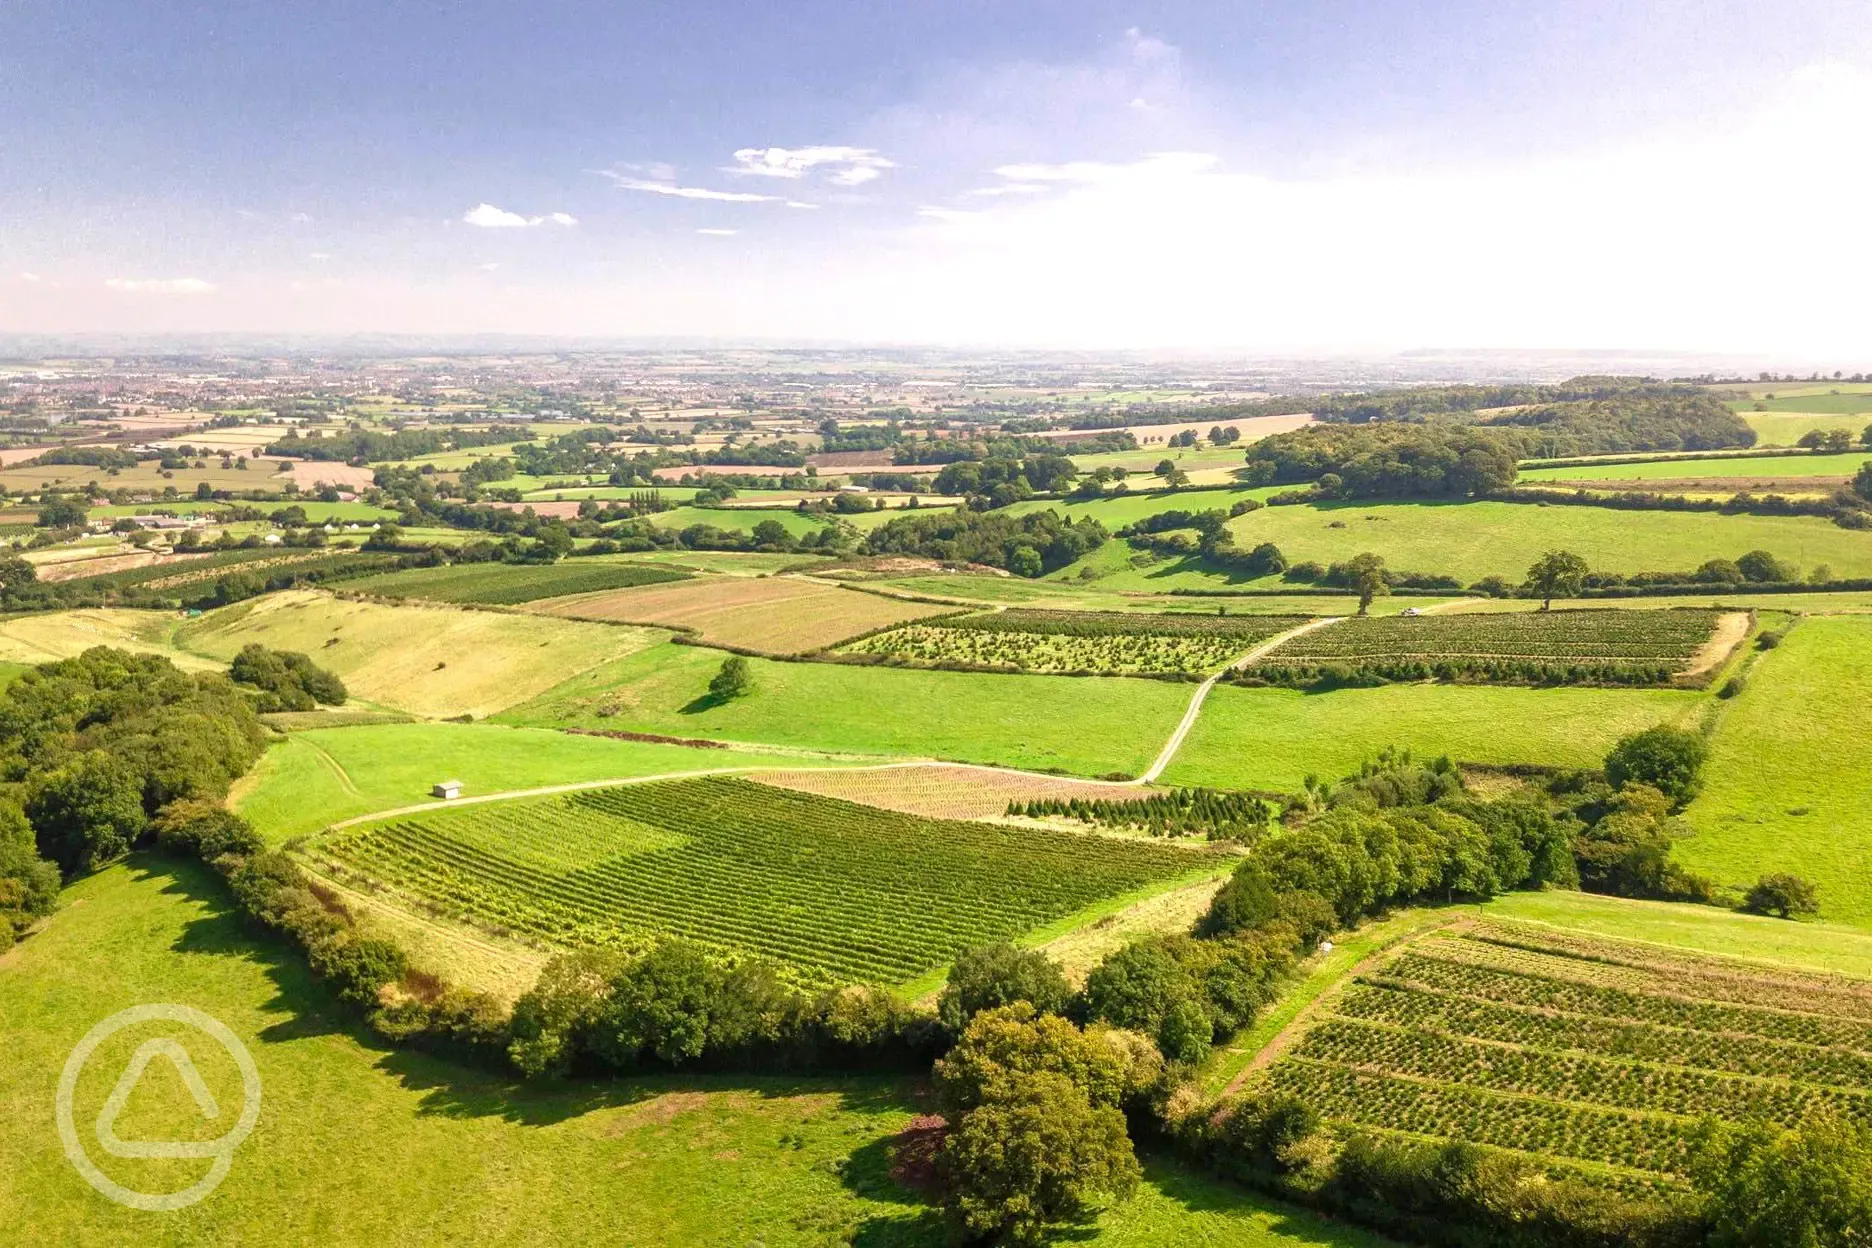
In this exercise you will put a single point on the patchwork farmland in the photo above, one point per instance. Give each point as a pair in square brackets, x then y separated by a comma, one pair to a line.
[1601, 1054]
[1093, 642]
[833, 891]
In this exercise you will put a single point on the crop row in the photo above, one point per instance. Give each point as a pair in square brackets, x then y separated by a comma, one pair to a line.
[1583, 1132]
[1516, 988]
[933, 644]
[1688, 974]
[1705, 981]
[1740, 1055]
[1601, 635]
[554, 836]
[836, 889]
[1600, 1081]
[1243, 629]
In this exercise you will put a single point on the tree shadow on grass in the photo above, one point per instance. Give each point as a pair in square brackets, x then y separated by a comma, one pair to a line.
[1199, 1194]
[453, 1090]
[707, 702]
[307, 1007]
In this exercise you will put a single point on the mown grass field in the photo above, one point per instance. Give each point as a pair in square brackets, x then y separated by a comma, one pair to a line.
[1084, 726]
[737, 520]
[830, 891]
[1814, 945]
[1477, 539]
[1844, 399]
[1128, 508]
[1454, 1036]
[504, 584]
[428, 660]
[1787, 787]
[357, 1143]
[1841, 466]
[1275, 738]
[776, 615]
[325, 775]
[1786, 428]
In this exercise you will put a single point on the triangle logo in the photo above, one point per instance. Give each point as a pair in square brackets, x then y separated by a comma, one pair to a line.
[178, 1057]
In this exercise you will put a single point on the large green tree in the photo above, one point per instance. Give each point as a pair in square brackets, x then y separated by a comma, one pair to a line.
[1557, 574]
[1766, 1187]
[1034, 1154]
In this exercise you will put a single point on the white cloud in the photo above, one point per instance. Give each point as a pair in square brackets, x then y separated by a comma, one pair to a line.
[161, 286]
[488, 217]
[320, 256]
[32, 278]
[1010, 188]
[490, 266]
[795, 203]
[302, 218]
[846, 166]
[655, 187]
[1627, 245]
[718, 232]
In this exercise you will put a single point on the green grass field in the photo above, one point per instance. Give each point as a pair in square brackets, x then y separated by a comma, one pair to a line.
[1814, 946]
[1728, 466]
[325, 775]
[737, 520]
[1786, 788]
[1785, 428]
[1476, 539]
[360, 1144]
[1117, 512]
[1844, 399]
[1085, 726]
[1473, 540]
[428, 660]
[1274, 738]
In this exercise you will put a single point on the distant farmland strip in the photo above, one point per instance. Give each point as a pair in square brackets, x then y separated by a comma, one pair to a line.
[769, 614]
[833, 891]
[1106, 642]
[1607, 647]
[507, 584]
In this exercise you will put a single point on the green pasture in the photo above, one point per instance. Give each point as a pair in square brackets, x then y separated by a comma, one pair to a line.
[1813, 946]
[1777, 428]
[737, 520]
[1137, 503]
[1727, 466]
[1844, 399]
[1787, 787]
[1086, 726]
[1275, 738]
[1476, 539]
[319, 777]
[359, 1143]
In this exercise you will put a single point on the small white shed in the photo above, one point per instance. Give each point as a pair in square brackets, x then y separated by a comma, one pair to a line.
[446, 790]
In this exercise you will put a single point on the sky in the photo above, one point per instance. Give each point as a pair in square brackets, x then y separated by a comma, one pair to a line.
[1320, 175]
